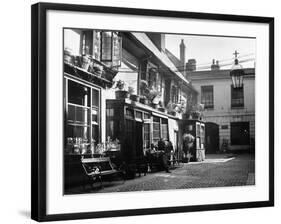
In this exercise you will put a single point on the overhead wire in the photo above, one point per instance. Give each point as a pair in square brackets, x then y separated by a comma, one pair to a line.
[198, 66]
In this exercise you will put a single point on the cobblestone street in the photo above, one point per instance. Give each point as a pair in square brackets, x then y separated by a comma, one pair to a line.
[216, 171]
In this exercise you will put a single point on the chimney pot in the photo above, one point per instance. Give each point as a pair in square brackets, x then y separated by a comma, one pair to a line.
[182, 53]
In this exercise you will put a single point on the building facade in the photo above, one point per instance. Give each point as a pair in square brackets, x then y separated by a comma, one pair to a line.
[229, 112]
[121, 93]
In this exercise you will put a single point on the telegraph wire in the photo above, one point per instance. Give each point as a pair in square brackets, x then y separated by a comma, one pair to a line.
[181, 68]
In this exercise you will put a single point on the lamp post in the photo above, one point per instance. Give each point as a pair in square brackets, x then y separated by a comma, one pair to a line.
[237, 73]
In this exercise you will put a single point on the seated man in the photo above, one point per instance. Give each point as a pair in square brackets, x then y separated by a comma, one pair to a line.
[165, 157]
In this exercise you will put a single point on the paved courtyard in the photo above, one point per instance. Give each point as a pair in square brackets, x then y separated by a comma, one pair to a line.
[218, 170]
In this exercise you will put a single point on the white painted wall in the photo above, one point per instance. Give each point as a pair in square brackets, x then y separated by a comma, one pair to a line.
[222, 114]
[72, 40]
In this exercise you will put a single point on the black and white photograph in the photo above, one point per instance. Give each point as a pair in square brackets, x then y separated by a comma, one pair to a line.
[150, 111]
[142, 112]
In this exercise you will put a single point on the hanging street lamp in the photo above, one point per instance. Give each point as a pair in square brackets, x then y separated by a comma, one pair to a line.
[237, 73]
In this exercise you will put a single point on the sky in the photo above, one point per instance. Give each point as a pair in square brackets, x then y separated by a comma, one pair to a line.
[206, 48]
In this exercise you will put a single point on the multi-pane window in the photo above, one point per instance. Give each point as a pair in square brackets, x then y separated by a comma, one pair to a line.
[237, 97]
[96, 43]
[82, 117]
[153, 78]
[164, 129]
[174, 94]
[156, 130]
[160, 129]
[105, 46]
[146, 135]
[207, 96]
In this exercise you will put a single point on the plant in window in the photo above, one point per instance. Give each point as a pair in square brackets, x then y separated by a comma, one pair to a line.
[153, 95]
[150, 93]
[197, 111]
[121, 93]
[120, 84]
[143, 91]
[193, 110]
[181, 107]
[143, 86]
[133, 96]
[171, 108]
[85, 59]
[161, 107]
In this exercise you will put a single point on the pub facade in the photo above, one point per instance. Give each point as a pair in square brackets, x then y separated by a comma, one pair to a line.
[122, 94]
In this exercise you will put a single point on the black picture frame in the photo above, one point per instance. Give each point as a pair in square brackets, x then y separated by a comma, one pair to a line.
[39, 114]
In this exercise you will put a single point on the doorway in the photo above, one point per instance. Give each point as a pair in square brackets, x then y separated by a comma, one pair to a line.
[240, 133]
[212, 137]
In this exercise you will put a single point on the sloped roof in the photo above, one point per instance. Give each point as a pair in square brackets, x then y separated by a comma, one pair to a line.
[174, 59]
[144, 39]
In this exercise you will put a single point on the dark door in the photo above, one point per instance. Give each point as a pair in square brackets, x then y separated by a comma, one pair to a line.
[212, 137]
[138, 140]
[240, 133]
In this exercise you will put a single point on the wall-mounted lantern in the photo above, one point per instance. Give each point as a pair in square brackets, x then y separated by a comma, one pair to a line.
[237, 73]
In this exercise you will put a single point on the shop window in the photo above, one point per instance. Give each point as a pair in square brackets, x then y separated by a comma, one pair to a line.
[156, 130]
[237, 97]
[138, 114]
[95, 115]
[95, 98]
[240, 134]
[146, 116]
[164, 129]
[78, 94]
[160, 129]
[82, 118]
[207, 96]
[129, 113]
[146, 135]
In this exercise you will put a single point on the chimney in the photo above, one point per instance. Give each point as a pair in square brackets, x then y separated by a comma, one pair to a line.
[182, 53]
[191, 65]
[215, 65]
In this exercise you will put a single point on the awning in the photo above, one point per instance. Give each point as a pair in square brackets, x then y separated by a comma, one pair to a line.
[144, 39]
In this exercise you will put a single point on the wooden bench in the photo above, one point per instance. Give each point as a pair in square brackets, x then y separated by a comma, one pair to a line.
[98, 168]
